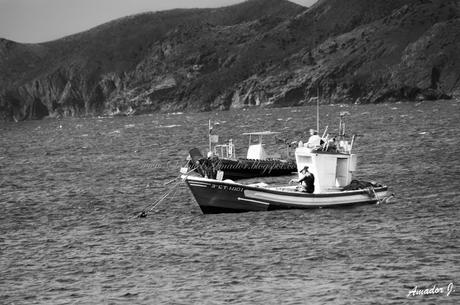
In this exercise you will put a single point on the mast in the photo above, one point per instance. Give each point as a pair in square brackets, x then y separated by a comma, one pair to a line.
[317, 108]
[209, 136]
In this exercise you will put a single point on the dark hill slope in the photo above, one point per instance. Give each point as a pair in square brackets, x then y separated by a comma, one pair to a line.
[77, 74]
[409, 53]
[260, 52]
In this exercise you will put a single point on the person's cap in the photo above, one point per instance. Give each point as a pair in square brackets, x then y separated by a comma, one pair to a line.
[312, 130]
[304, 168]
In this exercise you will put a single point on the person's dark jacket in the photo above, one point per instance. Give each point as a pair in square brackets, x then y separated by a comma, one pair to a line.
[308, 181]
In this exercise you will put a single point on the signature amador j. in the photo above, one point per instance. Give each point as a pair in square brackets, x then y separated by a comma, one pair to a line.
[447, 290]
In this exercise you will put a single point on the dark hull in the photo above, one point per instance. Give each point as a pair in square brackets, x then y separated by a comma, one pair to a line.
[223, 197]
[246, 168]
[213, 200]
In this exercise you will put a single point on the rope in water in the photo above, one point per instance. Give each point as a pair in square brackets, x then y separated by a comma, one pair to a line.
[156, 203]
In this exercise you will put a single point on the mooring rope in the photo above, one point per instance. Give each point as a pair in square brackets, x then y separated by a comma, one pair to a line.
[144, 211]
[373, 194]
[178, 177]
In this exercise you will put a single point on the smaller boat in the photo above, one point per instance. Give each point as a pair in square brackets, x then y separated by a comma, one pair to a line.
[256, 164]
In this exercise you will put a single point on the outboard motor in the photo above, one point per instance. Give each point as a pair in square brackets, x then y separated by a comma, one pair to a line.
[202, 165]
[195, 155]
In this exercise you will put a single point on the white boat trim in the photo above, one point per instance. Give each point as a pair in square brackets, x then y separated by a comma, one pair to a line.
[255, 201]
[199, 184]
[307, 201]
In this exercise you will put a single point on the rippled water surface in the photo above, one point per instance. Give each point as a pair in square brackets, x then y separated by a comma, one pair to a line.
[68, 189]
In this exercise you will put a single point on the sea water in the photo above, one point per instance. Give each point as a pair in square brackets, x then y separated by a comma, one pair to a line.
[69, 190]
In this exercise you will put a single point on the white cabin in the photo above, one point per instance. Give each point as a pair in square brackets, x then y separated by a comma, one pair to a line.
[332, 171]
[257, 151]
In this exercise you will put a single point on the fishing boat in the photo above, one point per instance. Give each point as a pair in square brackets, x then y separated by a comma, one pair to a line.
[332, 167]
[214, 196]
[258, 163]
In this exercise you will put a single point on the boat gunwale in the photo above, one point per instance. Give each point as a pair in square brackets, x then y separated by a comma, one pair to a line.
[287, 193]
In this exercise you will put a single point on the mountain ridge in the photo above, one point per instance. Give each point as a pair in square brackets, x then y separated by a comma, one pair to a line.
[257, 53]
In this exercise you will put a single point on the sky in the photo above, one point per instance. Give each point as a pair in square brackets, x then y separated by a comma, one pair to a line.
[32, 21]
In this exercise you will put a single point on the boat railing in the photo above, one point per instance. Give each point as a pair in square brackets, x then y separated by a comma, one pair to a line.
[341, 146]
[225, 150]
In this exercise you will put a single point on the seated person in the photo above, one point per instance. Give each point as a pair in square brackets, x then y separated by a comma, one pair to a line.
[306, 181]
[314, 140]
[332, 145]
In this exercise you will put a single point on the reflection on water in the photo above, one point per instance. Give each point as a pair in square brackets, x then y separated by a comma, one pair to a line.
[68, 189]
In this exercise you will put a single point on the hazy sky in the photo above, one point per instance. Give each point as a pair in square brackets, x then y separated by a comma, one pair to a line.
[43, 20]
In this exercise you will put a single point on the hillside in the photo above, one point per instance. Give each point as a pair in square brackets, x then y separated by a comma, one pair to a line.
[257, 53]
